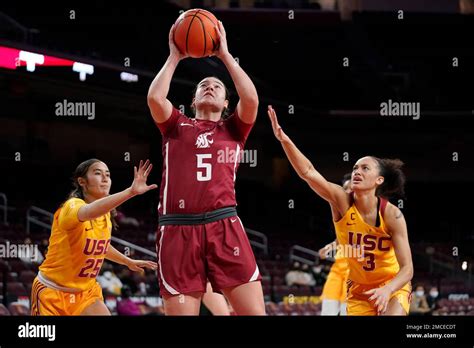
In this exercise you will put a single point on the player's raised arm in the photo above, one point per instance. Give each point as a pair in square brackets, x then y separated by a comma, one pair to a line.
[248, 102]
[332, 193]
[102, 206]
[160, 106]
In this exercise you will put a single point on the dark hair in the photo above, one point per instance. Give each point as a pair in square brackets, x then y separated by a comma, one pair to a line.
[225, 113]
[81, 172]
[347, 176]
[394, 178]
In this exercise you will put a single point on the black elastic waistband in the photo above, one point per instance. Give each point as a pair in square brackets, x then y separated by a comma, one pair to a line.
[197, 219]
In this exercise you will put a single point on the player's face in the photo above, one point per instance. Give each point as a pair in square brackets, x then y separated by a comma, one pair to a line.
[210, 94]
[365, 174]
[98, 180]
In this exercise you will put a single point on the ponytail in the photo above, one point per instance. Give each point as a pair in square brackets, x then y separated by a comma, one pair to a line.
[394, 178]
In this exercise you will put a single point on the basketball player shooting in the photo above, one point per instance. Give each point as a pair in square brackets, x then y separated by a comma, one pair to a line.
[200, 236]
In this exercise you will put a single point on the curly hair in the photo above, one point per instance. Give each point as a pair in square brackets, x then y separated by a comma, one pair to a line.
[394, 178]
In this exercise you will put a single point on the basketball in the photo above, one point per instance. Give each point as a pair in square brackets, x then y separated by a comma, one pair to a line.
[195, 33]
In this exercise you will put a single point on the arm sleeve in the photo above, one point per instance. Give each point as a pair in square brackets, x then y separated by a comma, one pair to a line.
[239, 127]
[170, 124]
[68, 216]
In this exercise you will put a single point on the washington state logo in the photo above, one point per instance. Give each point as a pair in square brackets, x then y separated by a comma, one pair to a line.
[202, 141]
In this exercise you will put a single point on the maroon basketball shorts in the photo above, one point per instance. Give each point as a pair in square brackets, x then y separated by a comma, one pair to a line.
[193, 249]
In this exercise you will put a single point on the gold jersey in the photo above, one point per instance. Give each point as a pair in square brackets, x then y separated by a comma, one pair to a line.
[76, 249]
[368, 249]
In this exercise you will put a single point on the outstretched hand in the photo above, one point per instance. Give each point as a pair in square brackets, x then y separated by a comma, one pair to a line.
[324, 252]
[140, 265]
[277, 130]
[139, 185]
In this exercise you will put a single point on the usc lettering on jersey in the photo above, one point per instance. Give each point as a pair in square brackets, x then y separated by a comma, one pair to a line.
[368, 249]
[76, 249]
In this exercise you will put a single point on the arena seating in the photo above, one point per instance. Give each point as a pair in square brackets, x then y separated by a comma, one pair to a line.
[273, 268]
[3, 310]
[18, 309]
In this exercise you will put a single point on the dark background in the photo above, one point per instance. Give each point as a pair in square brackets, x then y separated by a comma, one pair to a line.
[292, 62]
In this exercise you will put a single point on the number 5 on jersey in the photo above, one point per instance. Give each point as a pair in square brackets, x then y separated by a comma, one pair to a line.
[204, 170]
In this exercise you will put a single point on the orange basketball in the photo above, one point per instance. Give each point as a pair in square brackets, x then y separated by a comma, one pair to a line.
[195, 33]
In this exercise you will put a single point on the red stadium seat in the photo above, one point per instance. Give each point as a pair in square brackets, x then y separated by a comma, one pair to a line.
[34, 267]
[313, 307]
[16, 288]
[303, 291]
[286, 308]
[3, 266]
[271, 308]
[18, 309]
[268, 263]
[277, 271]
[4, 311]
[27, 277]
[28, 288]
[443, 302]
[12, 277]
[281, 290]
[267, 289]
[278, 280]
[18, 266]
[293, 290]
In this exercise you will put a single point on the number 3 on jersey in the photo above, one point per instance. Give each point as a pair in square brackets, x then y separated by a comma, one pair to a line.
[204, 170]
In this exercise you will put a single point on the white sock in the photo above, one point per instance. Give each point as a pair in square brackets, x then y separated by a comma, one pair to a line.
[330, 307]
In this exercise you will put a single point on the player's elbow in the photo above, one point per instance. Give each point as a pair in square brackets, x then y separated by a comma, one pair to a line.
[82, 214]
[312, 180]
[85, 214]
[251, 101]
[306, 175]
[154, 100]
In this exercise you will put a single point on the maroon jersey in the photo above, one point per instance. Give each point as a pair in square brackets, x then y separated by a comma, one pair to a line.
[200, 162]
